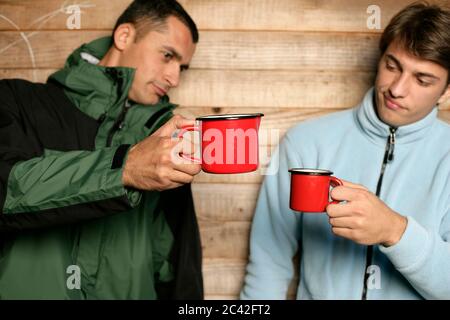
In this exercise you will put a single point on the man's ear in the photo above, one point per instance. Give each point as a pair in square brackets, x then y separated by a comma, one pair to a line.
[124, 36]
[445, 97]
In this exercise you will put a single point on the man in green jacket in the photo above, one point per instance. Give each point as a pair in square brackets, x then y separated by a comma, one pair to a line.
[92, 204]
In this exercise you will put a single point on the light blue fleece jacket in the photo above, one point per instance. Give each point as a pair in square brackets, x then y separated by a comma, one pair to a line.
[416, 184]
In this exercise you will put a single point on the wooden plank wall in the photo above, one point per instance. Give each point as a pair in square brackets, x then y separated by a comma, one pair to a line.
[290, 59]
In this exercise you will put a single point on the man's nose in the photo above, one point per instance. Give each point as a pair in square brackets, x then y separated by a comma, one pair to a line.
[399, 87]
[173, 75]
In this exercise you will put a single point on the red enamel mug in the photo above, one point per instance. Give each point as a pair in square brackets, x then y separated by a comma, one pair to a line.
[310, 189]
[229, 142]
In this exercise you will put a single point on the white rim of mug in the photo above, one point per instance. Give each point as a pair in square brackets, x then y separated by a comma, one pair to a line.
[311, 172]
[230, 116]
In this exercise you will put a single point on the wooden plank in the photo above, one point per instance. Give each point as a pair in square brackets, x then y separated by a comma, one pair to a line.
[293, 15]
[45, 50]
[445, 115]
[287, 51]
[225, 239]
[445, 106]
[55, 14]
[336, 15]
[216, 50]
[224, 202]
[259, 89]
[225, 277]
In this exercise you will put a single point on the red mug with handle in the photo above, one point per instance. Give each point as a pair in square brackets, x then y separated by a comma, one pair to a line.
[229, 142]
[310, 189]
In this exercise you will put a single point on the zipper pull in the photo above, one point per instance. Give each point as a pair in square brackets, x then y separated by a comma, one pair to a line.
[119, 123]
[121, 120]
[391, 144]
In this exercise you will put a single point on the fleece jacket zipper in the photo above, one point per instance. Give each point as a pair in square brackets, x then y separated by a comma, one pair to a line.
[388, 157]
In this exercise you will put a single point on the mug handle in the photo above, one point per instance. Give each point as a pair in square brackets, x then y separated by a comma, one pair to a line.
[334, 182]
[181, 134]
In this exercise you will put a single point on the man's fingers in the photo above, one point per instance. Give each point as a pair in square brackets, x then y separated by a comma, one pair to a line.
[344, 222]
[180, 177]
[353, 185]
[346, 193]
[172, 185]
[185, 157]
[349, 191]
[190, 168]
[176, 123]
[185, 152]
[189, 147]
[343, 232]
[179, 122]
[339, 210]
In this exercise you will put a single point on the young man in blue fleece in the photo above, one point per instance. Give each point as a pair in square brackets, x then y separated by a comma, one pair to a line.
[390, 238]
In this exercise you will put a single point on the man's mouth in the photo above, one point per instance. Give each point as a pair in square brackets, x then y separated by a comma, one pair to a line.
[160, 91]
[390, 104]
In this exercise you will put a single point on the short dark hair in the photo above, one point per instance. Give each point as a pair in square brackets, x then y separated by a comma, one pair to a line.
[148, 15]
[423, 30]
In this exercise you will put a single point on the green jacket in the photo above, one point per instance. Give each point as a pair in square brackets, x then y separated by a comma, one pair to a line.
[64, 209]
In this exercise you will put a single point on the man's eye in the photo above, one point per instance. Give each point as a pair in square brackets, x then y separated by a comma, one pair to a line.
[168, 55]
[423, 83]
[390, 66]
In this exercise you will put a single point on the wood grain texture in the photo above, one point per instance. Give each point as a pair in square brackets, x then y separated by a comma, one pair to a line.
[41, 49]
[287, 51]
[216, 50]
[224, 202]
[283, 15]
[53, 14]
[225, 239]
[445, 114]
[264, 88]
[225, 277]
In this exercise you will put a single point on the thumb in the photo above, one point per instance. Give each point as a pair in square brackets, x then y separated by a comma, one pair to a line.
[171, 127]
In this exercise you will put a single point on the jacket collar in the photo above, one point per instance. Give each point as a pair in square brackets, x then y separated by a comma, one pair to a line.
[97, 90]
[377, 131]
